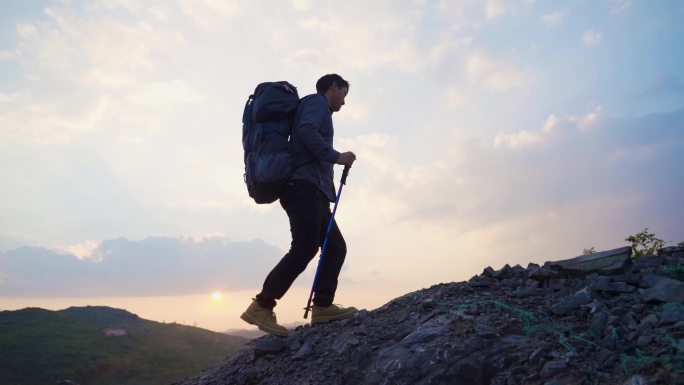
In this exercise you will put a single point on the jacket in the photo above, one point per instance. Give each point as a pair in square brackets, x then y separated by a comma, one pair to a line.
[312, 144]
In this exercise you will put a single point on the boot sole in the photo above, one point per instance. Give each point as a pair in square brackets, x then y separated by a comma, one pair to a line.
[274, 332]
[330, 318]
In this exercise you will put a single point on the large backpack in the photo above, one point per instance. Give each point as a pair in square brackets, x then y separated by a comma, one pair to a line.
[266, 126]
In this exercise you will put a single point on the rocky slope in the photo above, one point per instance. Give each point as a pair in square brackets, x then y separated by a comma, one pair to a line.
[602, 318]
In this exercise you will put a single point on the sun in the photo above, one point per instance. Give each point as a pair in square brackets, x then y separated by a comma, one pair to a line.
[216, 296]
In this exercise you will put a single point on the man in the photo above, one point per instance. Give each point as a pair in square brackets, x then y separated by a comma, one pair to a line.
[306, 199]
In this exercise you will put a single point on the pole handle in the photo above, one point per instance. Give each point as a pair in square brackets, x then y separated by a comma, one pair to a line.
[345, 173]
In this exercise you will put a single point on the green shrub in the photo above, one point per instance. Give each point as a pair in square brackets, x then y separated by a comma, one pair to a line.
[645, 243]
[588, 251]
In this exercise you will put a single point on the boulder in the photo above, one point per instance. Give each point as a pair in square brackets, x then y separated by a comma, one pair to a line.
[665, 290]
[604, 262]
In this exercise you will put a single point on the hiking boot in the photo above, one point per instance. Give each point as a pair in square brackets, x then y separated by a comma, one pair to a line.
[264, 319]
[331, 313]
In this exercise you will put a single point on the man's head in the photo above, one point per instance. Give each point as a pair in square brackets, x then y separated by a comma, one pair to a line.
[334, 88]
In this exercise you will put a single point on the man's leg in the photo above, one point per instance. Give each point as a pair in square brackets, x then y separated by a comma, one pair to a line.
[301, 201]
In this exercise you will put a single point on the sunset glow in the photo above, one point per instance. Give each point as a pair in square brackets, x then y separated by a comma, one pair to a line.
[487, 133]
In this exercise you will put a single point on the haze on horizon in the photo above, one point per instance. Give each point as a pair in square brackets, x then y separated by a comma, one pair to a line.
[487, 132]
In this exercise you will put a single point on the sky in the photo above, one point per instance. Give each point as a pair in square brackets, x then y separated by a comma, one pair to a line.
[486, 133]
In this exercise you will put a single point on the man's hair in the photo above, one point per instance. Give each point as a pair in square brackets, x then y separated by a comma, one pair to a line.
[326, 81]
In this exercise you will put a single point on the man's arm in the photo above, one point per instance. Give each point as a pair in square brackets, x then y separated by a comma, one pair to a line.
[308, 129]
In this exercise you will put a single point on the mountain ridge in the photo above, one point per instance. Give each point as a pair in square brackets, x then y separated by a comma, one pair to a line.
[103, 345]
[604, 319]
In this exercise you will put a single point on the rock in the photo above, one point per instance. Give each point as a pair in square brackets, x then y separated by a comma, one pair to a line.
[620, 288]
[672, 313]
[679, 325]
[565, 380]
[428, 303]
[598, 322]
[553, 368]
[293, 344]
[644, 340]
[646, 262]
[426, 333]
[650, 319]
[538, 355]
[505, 272]
[403, 331]
[671, 250]
[649, 280]
[268, 345]
[580, 298]
[306, 347]
[630, 278]
[636, 380]
[557, 283]
[544, 273]
[480, 281]
[665, 290]
[599, 282]
[604, 262]
[485, 330]
[527, 291]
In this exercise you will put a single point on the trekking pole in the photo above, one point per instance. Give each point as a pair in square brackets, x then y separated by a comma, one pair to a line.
[345, 172]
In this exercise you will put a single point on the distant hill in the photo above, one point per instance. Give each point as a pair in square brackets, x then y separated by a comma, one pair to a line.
[102, 345]
[246, 333]
[256, 333]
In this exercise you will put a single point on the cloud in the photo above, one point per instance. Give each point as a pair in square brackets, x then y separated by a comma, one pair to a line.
[45, 123]
[492, 74]
[26, 30]
[665, 84]
[481, 204]
[520, 139]
[360, 42]
[619, 6]
[574, 167]
[6, 55]
[102, 73]
[167, 93]
[494, 9]
[83, 250]
[207, 13]
[553, 19]
[454, 99]
[128, 5]
[152, 266]
[527, 138]
[301, 5]
[590, 120]
[592, 38]
[7, 243]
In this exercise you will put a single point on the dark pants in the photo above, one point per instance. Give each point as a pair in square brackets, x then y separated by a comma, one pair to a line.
[309, 213]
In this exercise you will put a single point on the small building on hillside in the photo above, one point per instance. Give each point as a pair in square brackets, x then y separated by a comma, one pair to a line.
[109, 332]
